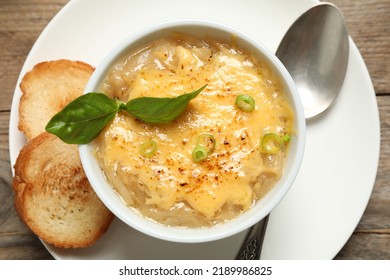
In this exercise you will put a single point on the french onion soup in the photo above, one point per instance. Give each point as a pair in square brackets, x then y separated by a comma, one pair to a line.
[220, 156]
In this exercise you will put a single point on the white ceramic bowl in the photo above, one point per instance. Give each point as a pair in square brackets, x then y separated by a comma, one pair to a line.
[263, 207]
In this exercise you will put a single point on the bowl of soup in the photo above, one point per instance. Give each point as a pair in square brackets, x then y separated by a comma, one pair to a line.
[229, 155]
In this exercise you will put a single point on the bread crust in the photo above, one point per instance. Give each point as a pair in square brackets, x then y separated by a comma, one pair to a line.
[46, 89]
[53, 196]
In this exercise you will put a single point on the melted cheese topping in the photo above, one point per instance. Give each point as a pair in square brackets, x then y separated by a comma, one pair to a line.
[169, 187]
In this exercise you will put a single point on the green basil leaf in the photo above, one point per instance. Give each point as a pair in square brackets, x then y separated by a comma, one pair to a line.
[82, 119]
[160, 110]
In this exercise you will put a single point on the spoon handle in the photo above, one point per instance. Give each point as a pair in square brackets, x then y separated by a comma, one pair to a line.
[253, 242]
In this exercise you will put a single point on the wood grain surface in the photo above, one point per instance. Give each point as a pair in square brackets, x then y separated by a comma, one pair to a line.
[21, 22]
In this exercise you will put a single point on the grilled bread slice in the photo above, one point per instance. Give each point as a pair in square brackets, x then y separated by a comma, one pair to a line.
[53, 196]
[46, 89]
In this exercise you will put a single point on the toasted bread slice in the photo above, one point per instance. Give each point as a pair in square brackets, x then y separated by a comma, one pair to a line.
[53, 196]
[46, 89]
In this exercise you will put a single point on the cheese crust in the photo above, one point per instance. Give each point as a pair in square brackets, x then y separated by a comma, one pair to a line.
[169, 187]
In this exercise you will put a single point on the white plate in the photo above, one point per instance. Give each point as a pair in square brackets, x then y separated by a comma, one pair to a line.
[333, 187]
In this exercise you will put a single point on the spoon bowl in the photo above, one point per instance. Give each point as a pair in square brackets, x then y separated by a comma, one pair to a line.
[315, 52]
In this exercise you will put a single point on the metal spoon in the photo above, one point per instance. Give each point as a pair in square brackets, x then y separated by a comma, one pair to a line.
[315, 51]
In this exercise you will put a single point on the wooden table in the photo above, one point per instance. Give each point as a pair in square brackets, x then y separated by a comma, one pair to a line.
[21, 22]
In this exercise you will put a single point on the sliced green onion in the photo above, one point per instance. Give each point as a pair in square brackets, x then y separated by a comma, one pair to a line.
[286, 138]
[271, 143]
[245, 102]
[206, 140]
[199, 153]
[148, 148]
